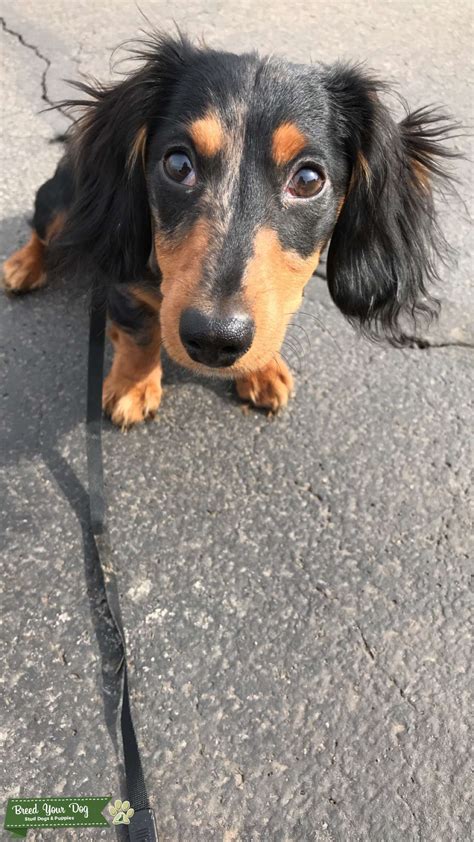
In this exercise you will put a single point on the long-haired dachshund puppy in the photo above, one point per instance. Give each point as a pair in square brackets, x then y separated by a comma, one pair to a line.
[200, 192]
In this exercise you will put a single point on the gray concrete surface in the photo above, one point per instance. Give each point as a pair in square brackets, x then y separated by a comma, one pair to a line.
[296, 591]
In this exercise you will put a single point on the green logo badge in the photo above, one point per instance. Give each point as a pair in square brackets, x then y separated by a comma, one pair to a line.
[24, 814]
[121, 812]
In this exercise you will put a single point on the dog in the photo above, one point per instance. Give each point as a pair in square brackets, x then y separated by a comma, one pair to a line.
[200, 191]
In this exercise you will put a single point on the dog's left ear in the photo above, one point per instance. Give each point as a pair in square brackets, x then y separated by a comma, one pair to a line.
[108, 230]
[386, 241]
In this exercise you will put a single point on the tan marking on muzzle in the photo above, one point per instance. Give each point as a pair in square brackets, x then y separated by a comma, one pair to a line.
[272, 290]
[181, 263]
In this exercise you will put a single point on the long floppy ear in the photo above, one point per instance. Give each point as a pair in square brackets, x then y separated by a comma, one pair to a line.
[108, 227]
[384, 247]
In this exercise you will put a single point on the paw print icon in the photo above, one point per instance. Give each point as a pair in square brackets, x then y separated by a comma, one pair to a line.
[121, 812]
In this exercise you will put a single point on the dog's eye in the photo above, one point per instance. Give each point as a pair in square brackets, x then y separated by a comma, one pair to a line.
[179, 168]
[305, 183]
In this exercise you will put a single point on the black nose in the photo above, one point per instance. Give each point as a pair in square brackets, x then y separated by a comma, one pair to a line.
[215, 342]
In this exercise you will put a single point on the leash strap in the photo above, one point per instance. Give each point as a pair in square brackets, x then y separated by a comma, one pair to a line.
[142, 827]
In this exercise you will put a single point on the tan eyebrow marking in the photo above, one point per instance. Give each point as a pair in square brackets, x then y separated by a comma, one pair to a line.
[287, 141]
[208, 134]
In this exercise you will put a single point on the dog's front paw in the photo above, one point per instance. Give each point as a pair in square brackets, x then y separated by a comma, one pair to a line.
[24, 271]
[129, 403]
[270, 388]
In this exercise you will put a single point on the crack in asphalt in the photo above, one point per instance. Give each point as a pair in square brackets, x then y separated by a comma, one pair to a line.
[411, 811]
[371, 654]
[47, 64]
[367, 648]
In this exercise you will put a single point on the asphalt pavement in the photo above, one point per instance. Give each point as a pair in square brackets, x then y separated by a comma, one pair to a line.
[295, 590]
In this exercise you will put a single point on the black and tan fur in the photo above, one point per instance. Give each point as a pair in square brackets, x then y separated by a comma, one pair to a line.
[213, 269]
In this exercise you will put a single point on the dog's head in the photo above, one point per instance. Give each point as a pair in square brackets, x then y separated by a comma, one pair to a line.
[236, 172]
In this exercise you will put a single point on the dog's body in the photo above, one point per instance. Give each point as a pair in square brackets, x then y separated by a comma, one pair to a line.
[200, 193]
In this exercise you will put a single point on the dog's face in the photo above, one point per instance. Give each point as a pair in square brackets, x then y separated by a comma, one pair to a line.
[244, 181]
[235, 172]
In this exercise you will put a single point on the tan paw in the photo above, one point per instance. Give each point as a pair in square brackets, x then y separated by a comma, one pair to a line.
[129, 403]
[23, 271]
[270, 388]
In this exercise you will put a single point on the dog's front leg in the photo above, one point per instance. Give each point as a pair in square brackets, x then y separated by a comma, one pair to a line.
[132, 389]
[269, 387]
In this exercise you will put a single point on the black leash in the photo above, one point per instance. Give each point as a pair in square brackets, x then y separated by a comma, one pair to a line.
[142, 826]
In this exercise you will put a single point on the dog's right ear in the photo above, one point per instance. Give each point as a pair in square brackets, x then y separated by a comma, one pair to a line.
[108, 227]
[386, 243]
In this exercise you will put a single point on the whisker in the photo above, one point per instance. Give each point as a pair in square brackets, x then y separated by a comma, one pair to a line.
[295, 352]
[320, 324]
[299, 350]
[277, 360]
[286, 360]
[295, 324]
